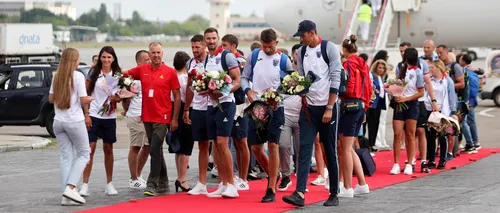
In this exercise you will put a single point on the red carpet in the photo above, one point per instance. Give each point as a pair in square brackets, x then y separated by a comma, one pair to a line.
[249, 201]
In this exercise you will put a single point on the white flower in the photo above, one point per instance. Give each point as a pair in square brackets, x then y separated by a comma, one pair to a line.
[213, 74]
[278, 99]
[197, 88]
[127, 81]
[273, 95]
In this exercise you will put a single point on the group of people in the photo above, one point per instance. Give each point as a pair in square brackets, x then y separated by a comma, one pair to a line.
[326, 121]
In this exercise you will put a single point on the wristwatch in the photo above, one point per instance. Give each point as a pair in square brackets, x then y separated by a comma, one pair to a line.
[433, 100]
[329, 107]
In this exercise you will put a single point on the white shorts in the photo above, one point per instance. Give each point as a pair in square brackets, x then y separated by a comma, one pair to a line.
[364, 30]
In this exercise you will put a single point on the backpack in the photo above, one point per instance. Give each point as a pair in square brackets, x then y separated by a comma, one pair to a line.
[239, 95]
[353, 103]
[462, 94]
[284, 58]
[343, 75]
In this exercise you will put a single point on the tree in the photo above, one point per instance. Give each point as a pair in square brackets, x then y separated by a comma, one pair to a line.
[172, 28]
[199, 20]
[190, 28]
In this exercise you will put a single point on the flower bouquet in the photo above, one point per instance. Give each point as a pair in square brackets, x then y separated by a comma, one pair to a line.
[453, 128]
[109, 106]
[396, 88]
[261, 111]
[128, 88]
[208, 82]
[295, 84]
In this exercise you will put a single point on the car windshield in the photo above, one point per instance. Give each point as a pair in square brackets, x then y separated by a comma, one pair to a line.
[3, 75]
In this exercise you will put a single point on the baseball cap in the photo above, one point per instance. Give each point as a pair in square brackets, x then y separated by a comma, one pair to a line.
[305, 26]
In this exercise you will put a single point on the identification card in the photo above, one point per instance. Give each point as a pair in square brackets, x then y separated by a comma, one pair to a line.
[151, 92]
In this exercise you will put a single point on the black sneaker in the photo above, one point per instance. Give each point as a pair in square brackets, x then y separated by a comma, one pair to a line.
[424, 167]
[431, 164]
[150, 191]
[469, 149]
[269, 197]
[210, 166]
[441, 165]
[333, 200]
[294, 199]
[285, 183]
[477, 146]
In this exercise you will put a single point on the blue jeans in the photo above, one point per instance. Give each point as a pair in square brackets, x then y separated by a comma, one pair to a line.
[469, 128]
[71, 135]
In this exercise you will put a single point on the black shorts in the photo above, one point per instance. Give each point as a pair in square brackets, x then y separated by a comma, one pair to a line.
[199, 125]
[220, 123]
[411, 113]
[240, 128]
[422, 115]
[103, 128]
[273, 131]
[350, 123]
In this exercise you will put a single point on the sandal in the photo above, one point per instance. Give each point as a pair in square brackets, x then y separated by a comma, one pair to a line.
[425, 167]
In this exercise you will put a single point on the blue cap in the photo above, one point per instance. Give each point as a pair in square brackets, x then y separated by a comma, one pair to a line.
[305, 26]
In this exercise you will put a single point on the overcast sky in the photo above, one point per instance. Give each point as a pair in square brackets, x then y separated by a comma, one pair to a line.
[165, 9]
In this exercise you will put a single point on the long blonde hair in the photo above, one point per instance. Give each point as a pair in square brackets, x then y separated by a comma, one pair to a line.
[440, 65]
[63, 80]
[375, 64]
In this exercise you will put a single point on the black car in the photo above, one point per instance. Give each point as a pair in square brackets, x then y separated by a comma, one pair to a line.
[24, 94]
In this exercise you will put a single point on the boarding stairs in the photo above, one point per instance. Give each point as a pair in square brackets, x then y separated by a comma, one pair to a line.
[380, 26]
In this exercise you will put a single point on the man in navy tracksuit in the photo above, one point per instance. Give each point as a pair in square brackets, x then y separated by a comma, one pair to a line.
[320, 114]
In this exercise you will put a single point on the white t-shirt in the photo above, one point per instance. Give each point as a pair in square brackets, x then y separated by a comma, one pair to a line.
[415, 80]
[100, 95]
[135, 107]
[75, 112]
[293, 105]
[183, 79]
[319, 91]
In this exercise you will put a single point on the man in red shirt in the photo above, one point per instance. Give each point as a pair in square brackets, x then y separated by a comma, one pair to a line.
[158, 81]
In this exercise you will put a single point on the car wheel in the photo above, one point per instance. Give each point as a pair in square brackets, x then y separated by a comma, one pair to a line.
[49, 121]
[496, 97]
[472, 55]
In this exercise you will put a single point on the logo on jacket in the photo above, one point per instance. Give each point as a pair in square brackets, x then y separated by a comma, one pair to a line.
[276, 62]
[161, 76]
[318, 54]
[411, 76]
[217, 60]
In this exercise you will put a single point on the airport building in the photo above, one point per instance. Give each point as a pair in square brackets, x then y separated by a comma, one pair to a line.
[245, 28]
[11, 8]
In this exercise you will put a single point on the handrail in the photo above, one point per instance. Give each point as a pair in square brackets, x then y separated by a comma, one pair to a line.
[381, 18]
[349, 24]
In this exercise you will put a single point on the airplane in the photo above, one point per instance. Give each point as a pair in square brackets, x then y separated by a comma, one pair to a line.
[456, 23]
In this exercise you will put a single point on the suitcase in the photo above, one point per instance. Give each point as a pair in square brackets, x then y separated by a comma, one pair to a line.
[369, 166]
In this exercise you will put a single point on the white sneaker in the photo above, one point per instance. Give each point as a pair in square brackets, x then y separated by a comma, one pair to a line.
[395, 169]
[68, 202]
[73, 195]
[325, 171]
[110, 189]
[142, 180]
[215, 172]
[218, 192]
[359, 190]
[84, 190]
[199, 189]
[408, 169]
[230, 192]
[242, 185]
[349, 193]
[320, 181]
[137, 184]
[327, 184]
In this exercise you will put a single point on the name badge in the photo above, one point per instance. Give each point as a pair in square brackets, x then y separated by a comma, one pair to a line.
[151, 92]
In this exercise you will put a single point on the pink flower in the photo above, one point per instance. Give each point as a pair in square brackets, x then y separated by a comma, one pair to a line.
[228, 79]
[212, 85]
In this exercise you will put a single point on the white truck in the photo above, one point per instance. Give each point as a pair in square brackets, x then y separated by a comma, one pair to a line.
[25, 43]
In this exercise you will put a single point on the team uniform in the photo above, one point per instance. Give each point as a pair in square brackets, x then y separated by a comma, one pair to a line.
[198, 114]
[267, 73]
[220, 123]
